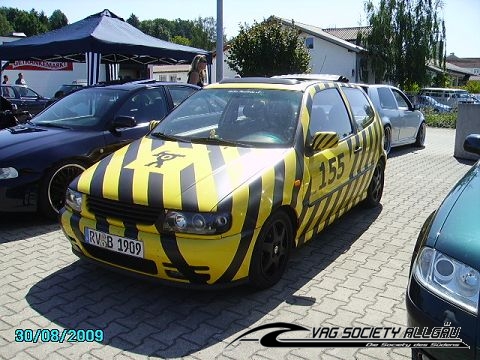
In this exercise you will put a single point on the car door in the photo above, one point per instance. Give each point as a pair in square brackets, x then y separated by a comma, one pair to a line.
[410, 117]
[143, 106]
[332, 175]
[389, 109]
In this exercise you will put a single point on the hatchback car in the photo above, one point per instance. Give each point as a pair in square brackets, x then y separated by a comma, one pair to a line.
[38, 159]
[403, 124]
[24, 98]
[222, 188]
[445, 269]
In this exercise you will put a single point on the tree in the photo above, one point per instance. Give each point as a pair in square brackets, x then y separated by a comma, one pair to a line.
[134, 21]
[267, 49]
[405, 37]
[5, 26]
[177, 39]
[57, 20]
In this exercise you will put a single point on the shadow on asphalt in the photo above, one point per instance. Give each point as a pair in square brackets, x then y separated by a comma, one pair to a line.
[19, 226]
[404, 150]
[167, 322]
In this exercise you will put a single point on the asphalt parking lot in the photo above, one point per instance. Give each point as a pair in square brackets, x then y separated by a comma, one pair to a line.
[354, 274]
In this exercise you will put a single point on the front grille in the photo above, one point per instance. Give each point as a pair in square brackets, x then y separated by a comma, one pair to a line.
[131, 213]
[131, 262]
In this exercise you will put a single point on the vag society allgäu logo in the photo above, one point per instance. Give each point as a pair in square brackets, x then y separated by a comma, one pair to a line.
[280, 335]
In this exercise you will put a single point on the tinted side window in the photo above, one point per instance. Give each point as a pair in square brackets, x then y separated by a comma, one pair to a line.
[387, 101]
[329, 114]
[145, 105]
[362, 110]
[8, 92]
[179, 93]
[26, 92]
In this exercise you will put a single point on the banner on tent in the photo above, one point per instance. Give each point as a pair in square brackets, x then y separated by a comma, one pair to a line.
[40, 65]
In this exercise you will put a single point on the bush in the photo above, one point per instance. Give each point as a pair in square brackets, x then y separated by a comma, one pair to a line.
[444, 120]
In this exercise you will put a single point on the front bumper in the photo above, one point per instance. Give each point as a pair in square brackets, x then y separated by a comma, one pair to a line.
[19, 195]
[427, 310]
[181, 260]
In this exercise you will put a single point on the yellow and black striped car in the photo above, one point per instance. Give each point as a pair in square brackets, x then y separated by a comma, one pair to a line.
[226, 185]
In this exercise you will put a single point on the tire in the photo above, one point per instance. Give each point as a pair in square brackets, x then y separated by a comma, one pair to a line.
[54, 186]
[271, 251]
[416, 354]
[422, 131]
[375, 188]
[387, 139]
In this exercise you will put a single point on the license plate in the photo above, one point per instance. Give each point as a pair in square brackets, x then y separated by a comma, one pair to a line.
[114, 243]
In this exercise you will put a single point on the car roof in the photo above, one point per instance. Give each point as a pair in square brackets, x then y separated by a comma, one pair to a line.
[276, 82]
[138, 84]
[306, 77]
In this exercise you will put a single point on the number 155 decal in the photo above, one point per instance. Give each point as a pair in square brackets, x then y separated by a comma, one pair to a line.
[336, 167]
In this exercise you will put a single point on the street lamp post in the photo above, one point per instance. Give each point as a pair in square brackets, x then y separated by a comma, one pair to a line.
[219, 57]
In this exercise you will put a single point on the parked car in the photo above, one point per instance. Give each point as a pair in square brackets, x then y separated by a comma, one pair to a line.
[223, 187]
[40, 158]
[64, 90]
[403, 124]
[24, 98]
[10, 115]
[450, 97]
[445, 268]
[425, 102]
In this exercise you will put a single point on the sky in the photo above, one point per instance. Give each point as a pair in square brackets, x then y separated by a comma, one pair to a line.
[461, 16]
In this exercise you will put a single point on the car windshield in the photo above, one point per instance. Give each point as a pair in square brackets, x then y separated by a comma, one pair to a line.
[81, 109]
[234, 117]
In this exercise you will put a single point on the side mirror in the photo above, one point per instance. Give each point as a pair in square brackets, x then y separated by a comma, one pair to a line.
[152, 124]
[472, 143]
[124, 122]
[324, 140]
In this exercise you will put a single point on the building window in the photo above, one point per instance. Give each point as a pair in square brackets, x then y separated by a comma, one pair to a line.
[309, 43]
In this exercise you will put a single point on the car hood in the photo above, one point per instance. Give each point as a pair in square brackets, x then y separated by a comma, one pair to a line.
[176, 175]
[25, 140]
[459, 236]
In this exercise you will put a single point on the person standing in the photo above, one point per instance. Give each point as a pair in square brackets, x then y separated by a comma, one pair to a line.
[196, 75]
[20, 80]
[5, 79]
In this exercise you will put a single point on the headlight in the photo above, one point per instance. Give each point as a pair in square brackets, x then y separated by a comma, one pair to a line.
[73, 199]
[448, 278]
[8, 173]
[196, 223]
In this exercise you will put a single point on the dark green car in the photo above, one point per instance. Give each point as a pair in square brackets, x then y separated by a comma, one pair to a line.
[445, 270]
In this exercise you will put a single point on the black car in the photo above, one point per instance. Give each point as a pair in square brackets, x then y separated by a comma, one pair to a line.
[24, 98]
[445, 270]
[38, 159]
[64, 90]
[10, 115]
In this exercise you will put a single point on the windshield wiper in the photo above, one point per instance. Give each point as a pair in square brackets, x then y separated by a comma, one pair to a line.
[219, 141]
[168, 137]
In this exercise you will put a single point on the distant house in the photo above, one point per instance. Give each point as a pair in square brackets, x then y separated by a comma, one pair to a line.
[467, 64]
[459, 75]
[331, 54]
[354, 35]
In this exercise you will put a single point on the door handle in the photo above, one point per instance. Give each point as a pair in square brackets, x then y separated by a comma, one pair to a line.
[358, 149]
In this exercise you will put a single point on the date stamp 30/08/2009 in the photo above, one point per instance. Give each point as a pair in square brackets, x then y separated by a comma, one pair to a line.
[59, 335]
